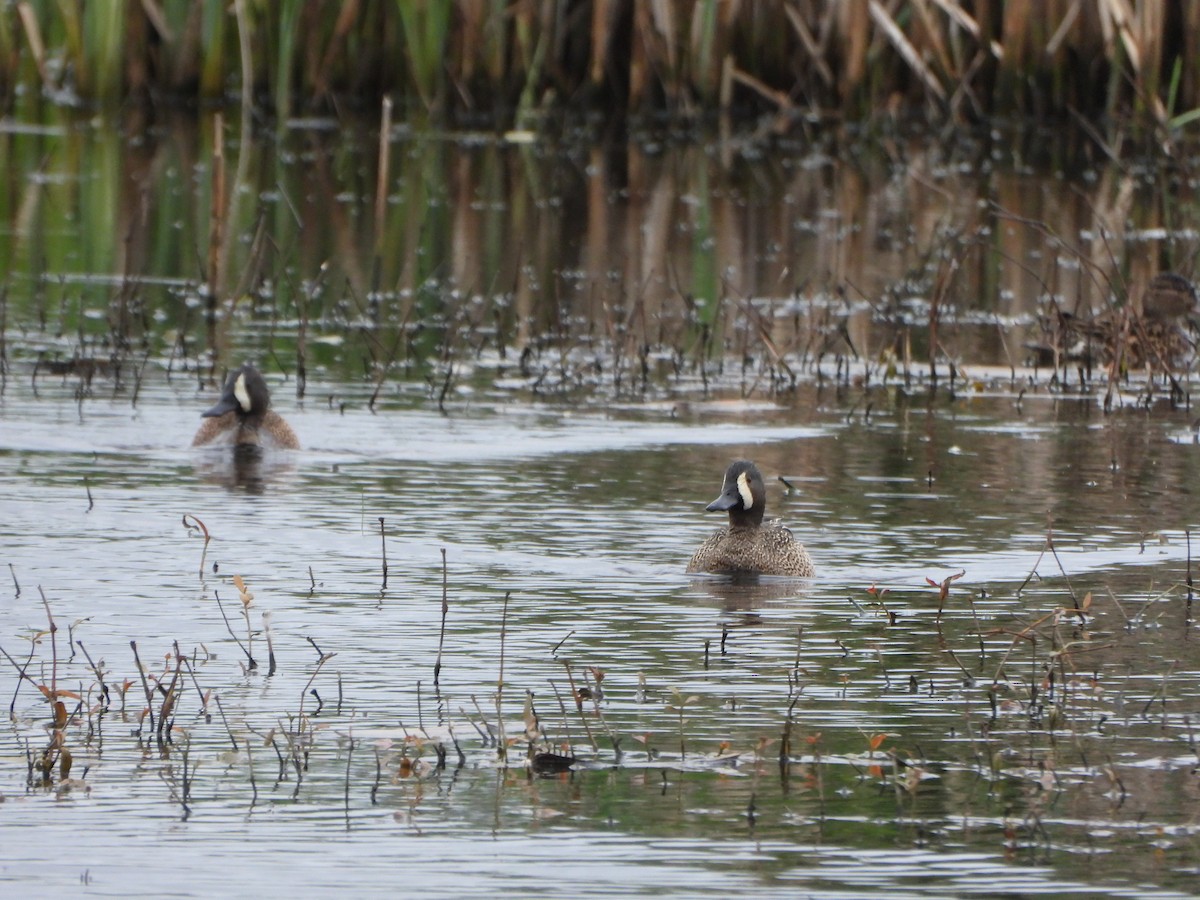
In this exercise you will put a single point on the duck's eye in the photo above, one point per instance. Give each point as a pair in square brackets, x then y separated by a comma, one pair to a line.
[743, 486]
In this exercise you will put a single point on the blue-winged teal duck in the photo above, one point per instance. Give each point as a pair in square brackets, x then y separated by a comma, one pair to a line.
[747, 547]
[243, 415]
[1169, 297]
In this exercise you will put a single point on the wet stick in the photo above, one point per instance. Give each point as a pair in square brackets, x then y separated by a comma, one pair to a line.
[250, 664]
[187, 785]
[249, 766]
[229, 731]
[21, 676]
[53, 647]
[309, 293]
[16, 584]
[677, 705]
[346, 782]
[437, 666]
[558, 646]
[597, 692]
[137, 380]
[216, 232]
[488, 736]
[785, 744]
[98, 673]
[578, 697]
[196, 523]
[383, 173]
[378, 778]
[325, 657]
[386, 366]
[162, 734]
[501, 746]
[266, 621]
[562, 709]
[145, 684]
[383, 548]
[441, 403]
[3, 338]
[1187, 537]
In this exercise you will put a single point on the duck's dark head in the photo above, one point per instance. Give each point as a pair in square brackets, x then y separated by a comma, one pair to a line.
[245, 392]
[743, 495]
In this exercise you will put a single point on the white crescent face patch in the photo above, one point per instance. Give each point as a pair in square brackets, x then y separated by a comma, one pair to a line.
[240, 392]
[743, 486]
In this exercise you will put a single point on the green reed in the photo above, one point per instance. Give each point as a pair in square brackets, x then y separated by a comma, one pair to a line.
[511, 59]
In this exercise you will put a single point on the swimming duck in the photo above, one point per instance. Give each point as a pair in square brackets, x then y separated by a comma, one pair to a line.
[747, 547]
[243, 417]
[1169, 297]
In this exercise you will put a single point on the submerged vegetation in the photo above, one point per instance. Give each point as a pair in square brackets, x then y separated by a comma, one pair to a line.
[1024, 730]
[580, 272]
[507, 59]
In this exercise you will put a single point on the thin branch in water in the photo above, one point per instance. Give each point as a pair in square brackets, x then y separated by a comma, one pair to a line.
[145, 684]
[437, 666]
[383, 547]
[266, 620]
[204, 530]
[252, 665]
[501, 745]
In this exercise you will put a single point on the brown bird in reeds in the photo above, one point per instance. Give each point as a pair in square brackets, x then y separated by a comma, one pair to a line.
[1169, 298]
[1153, 333]
[747, 546]
[243, 416]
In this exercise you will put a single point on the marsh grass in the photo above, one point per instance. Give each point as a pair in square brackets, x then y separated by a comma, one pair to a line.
[512, 61]
[678, 292]
[1040, 708]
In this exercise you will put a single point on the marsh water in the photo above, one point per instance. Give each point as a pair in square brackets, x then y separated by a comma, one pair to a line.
[464, 657]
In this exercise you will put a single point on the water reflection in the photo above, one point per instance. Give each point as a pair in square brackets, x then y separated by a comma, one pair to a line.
[246, 468]
[749, 593]
[618, 264]
[533, 360]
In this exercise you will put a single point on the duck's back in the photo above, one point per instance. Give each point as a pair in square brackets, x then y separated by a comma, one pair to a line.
[765, 550]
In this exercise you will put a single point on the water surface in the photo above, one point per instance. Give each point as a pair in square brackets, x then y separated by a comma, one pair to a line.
[527, 420]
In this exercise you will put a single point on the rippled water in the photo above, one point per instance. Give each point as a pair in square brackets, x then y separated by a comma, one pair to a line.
[565, 535]
[525, 373]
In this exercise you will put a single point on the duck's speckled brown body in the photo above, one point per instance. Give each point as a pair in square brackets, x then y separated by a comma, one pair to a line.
[747, 547]
[243, 417]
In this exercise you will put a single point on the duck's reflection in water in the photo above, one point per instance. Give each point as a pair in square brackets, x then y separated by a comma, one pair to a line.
[745, 594]
[245, 468]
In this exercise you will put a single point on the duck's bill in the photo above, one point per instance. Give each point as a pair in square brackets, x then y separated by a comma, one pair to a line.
[726, 501]
[227, 403]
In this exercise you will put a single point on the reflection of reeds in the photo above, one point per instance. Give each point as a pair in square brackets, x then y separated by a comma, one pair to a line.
[782, 55]
[634, 270]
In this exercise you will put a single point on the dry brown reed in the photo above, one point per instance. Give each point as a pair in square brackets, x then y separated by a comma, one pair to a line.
[962, 58]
